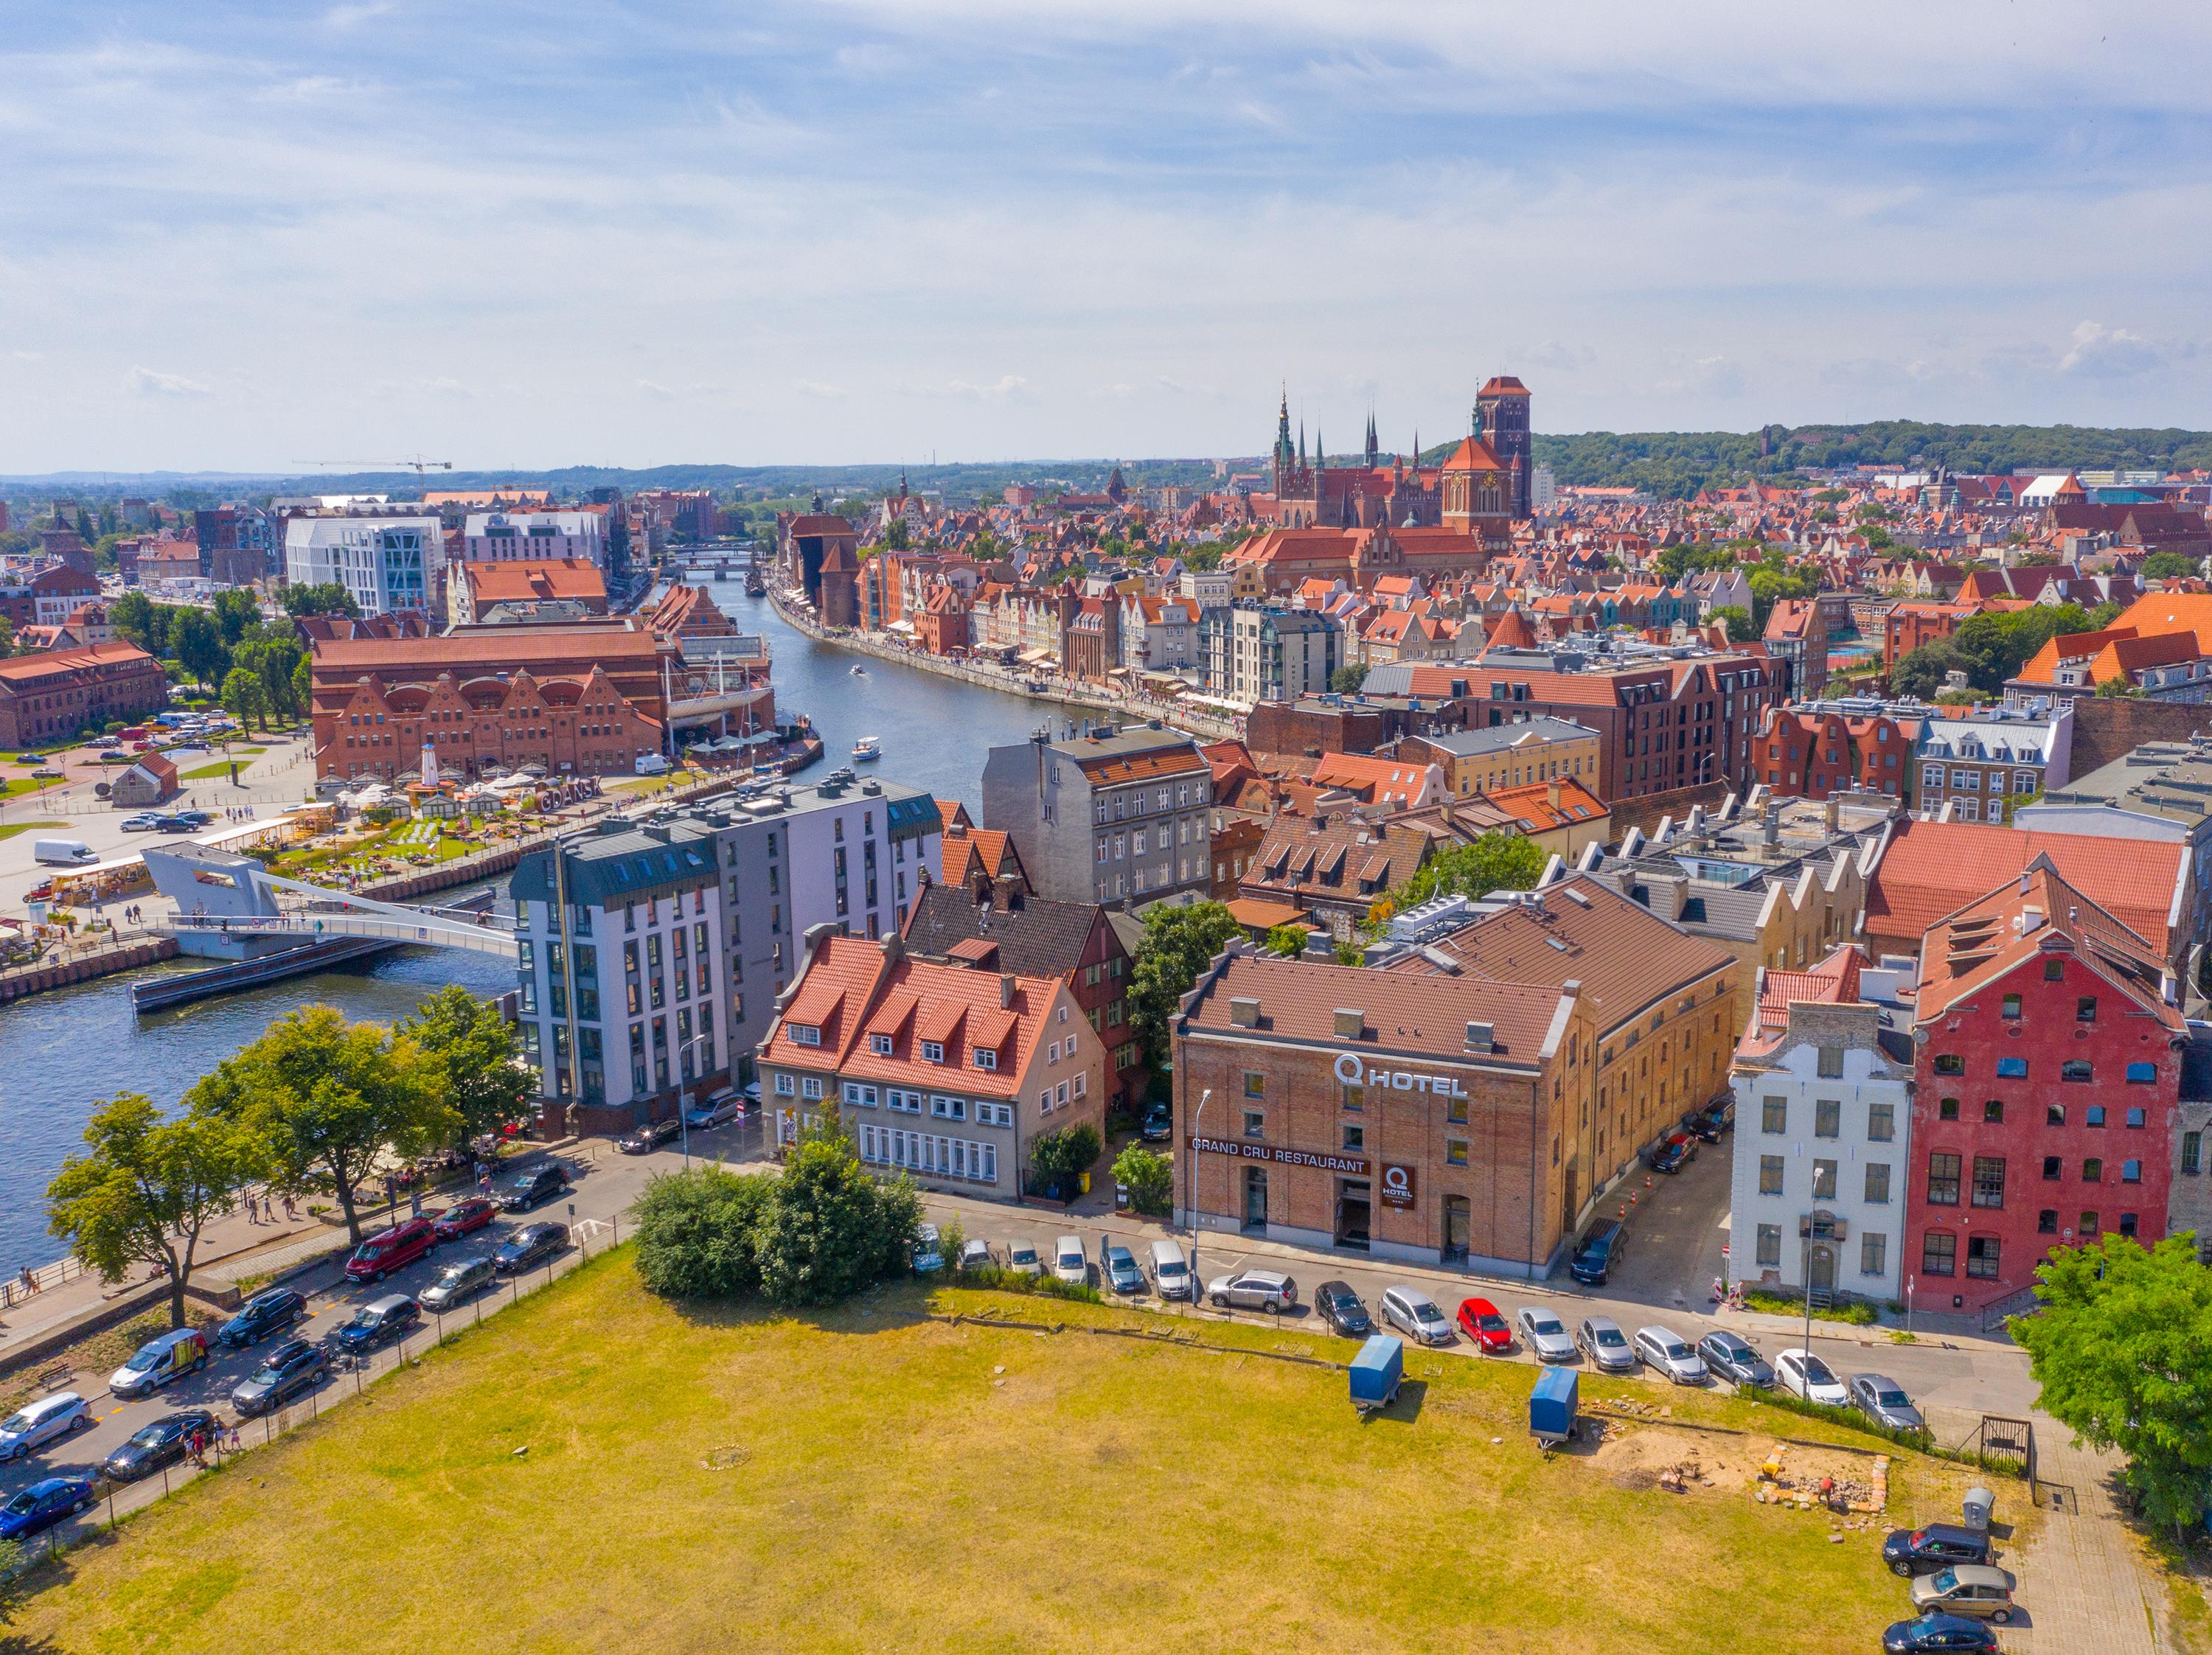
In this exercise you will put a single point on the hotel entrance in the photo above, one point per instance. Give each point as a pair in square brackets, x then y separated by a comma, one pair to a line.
[1256, 1198]
[1352, 1212]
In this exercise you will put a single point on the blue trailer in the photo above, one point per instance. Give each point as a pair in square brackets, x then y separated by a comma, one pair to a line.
[1376, 1373]
[1552, 1406]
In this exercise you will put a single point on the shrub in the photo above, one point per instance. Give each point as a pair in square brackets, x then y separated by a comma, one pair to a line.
[1057, 1159]
[695, 1232]
[828, 1229]
[998, 1279]
[1858, 1313]
[1149, 1176]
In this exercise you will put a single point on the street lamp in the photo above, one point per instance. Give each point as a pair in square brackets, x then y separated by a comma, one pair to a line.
[1191, 1185]
[684, 1095]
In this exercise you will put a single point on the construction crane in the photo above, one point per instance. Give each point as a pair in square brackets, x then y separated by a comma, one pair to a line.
[416, 463]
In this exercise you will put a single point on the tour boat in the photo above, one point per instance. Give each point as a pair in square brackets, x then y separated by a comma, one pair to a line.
[868, 747]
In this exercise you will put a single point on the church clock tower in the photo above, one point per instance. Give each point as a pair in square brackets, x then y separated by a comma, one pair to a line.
[1505, 404]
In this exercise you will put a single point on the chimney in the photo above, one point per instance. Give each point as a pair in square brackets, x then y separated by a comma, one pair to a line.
[1006, 990]
[1006, 893]
[1350, 1024]
[1481, 1037]
[894, 949]
[1551, 793]
[1834, 814]
[1243, 1011]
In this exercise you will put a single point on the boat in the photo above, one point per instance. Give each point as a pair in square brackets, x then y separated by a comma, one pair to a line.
[860, 672]
[868, 747]
[755, 586]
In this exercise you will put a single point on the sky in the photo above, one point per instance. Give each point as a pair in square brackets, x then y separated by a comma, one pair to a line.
[255, 237]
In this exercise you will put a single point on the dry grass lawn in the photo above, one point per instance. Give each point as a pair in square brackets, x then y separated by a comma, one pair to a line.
[870, 1481]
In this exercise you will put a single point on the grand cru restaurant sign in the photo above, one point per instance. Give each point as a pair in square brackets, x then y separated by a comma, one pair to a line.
[1350, 1166]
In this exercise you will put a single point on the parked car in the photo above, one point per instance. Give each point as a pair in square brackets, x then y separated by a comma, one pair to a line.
[463, 1217]
[1340, 1307]
[717, 1111]
[1022, 1258]
[1803, 1374]
[45, 773]
[533, 1244]
[1666, 1351]
[264, 1313]
[379, 1322]
[164, 1357]
[1069, 1263]
[1416, 1315]
[1171, 1277]
[1882, 1400]
[1479, 1320]
[164, 1442]
[393, 1250]
[975, 1255]
[1703, 1124]
[1946, 1632]
[1672, 1153]
[1727, 1356]
[288, 1370]
[35, 1424]
[538, 1184]
[1980, 1591]
[143, 823]
[1159, 1122]
[1938, 1546]
[458, 1280]
[197, 818]
[1545, 1334]
[1600, 1338]
[928, 1255]
[1598, 1252]
[42, 1504]
[1253, 1290]
[1117, 1267]
[651, 1136]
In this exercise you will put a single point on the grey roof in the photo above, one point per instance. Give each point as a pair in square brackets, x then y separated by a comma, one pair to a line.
[2165, 778]
[1035, 938]
[618, 866]
[1125, 742]
[1496, 738]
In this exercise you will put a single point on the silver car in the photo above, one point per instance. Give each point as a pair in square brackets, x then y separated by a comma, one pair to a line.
[1600, 1338]
[1545, 1334]
[37, 1423]
[1882, 1400]
[1414, 1314]
[457, 1280]
[1253, 1290]
[1664, 1350]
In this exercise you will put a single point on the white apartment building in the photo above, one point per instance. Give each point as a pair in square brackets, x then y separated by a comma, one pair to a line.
[1823, 1129]
[514, 537]
[389, 563]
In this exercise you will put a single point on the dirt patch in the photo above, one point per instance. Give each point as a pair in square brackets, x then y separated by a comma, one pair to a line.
[1682, 1459]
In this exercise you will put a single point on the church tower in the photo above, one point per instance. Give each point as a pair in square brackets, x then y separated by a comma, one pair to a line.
[1504, 404]
[1374, 443]
[1284, 457]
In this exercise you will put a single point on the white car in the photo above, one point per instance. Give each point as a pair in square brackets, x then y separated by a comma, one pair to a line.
[1068, 1263]
[717, 1111]
[1664, 1349]
[1545, 1334]
[1804, 1375]
[1022, 1258]
[40, 1422]
[1414, 1314]
[975, 1255]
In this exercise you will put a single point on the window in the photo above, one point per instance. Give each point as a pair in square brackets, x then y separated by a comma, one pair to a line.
[2046, 1221]
[1354, 1098]
[2053, 1168]
[1770, 1245]
[1881, 1123]
[2054, 970]
[2142, 1074]
[811, 1087]
[2127, 1224]
[986, 1058]
[785, 1087]
[805, 1035]
[2092, 1170]
[2012, 1068]
[2087, 1229]
[1455, 1151]
[1939, 1253]
[1946, 1109]
[2054, 1114]
[2135, 1118]
[1989, 1180]
[1774, 1115]
[1950, 1063]
[932, 1052]
[1873, 1253]
[1832, 1062]
[1877, 1183]
[1827, 1118]
[1943, 1180]
[2085, 1009]
[2011, 1005]
[1256, 1123]
[1993, 1112]
[1256, 1084]
[2079, 1070]
[2192, 1152]
[1769, 1175]
[880, 1045]
[2131, 1171]
[1824, 1180]
[2094, 1115]
[1982, 1254]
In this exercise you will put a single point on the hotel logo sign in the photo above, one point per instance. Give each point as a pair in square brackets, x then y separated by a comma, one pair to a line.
[1353, 1071]
[1398, 1189]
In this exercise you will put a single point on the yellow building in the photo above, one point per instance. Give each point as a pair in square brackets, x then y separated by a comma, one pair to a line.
[1505, 756]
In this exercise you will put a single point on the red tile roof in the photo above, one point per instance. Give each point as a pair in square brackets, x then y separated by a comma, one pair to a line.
[1931, 869]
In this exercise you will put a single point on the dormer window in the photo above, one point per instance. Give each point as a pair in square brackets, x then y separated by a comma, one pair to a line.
[932, 1052]
[880, 1045]
[986, 1058]
[805, 1035]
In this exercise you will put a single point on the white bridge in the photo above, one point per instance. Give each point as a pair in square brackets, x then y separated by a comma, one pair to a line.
[223, 894]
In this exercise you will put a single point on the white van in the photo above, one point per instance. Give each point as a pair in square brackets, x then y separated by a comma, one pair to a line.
[1171, 1270]
[63, 852]
[651, 764]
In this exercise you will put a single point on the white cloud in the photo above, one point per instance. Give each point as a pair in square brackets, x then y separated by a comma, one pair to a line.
[2104, 353]
[660, 393]
[146, 381]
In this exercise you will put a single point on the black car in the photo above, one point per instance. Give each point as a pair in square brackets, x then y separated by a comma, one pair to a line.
[1340, 1308]
[1671, 1154]
[1922, 1551]
[1159, 1122]
[1936, 1632]
[379, 1322]
[533, 1244]
[263, 1314]
[1704, 1124]
[292, 1369]
[164, 1442]
[651, 1136]
[1735, 1361]
[526, 1189]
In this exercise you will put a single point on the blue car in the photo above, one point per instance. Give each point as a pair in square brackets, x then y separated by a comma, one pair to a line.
[42, 1504]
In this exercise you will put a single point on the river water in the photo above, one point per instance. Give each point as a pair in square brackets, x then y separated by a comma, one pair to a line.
[64, 1053]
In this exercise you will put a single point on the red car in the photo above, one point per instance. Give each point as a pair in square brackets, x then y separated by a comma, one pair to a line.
[1479, 1320]
[397, 1248]
[462, 1216]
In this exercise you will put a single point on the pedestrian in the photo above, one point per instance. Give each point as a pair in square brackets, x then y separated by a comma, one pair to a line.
[289, 1215]
[199, 1448]
[30, 1281]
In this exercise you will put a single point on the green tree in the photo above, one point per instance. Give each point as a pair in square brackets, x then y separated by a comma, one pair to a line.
[487, 1084]
[1920, 672]
[132, 616]
[2123, 1351]
[197, 642]
[1499, 861]
[2168, 565]
[1058, 1159]
[1737, 620]
[1347, 679]
[696, 1232]
[1149, 1177]
[147, 1189]
[2117, 689]
[830, 1228]
[7, 636]
[1289, 941]
[275, 660]
[245, 696]
[235, 611]
[303, 688]
[329, 1099]
[1177, 944]
[1770, 584]
[330, 597]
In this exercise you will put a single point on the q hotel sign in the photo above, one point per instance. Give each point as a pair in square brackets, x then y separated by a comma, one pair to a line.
[1353, 1071]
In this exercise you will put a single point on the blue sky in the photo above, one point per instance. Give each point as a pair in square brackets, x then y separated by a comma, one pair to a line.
[240, 236]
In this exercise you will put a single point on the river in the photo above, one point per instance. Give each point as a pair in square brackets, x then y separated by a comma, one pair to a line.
[62, 1053]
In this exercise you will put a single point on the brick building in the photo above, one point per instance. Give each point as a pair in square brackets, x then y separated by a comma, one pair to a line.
[1818, 750]
[52, 695]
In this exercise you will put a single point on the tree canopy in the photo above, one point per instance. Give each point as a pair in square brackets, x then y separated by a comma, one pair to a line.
[1499, 861]
[829, 1228]
[1177, 944]
[479, 1060]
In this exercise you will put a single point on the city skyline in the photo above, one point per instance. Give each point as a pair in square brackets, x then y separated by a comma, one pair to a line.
[247, 240]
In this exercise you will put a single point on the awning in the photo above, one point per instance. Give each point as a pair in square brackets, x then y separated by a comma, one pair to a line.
[1034, 656]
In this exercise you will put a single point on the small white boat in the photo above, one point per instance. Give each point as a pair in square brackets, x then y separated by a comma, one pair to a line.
[868, 747]
[860, 672]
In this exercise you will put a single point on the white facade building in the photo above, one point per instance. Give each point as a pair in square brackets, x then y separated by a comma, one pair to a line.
[514, 537]
[389, 564]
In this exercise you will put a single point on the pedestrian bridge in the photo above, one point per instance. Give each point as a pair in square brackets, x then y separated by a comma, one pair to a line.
[222, 895]
[387, 922]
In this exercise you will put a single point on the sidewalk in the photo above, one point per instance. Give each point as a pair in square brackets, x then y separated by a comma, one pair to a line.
[2084, 1583]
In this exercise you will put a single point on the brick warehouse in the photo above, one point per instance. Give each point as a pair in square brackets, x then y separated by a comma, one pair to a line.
[1428, 1120]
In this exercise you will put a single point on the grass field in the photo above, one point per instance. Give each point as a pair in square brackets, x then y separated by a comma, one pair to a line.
[8, 830]
[866, 1482]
